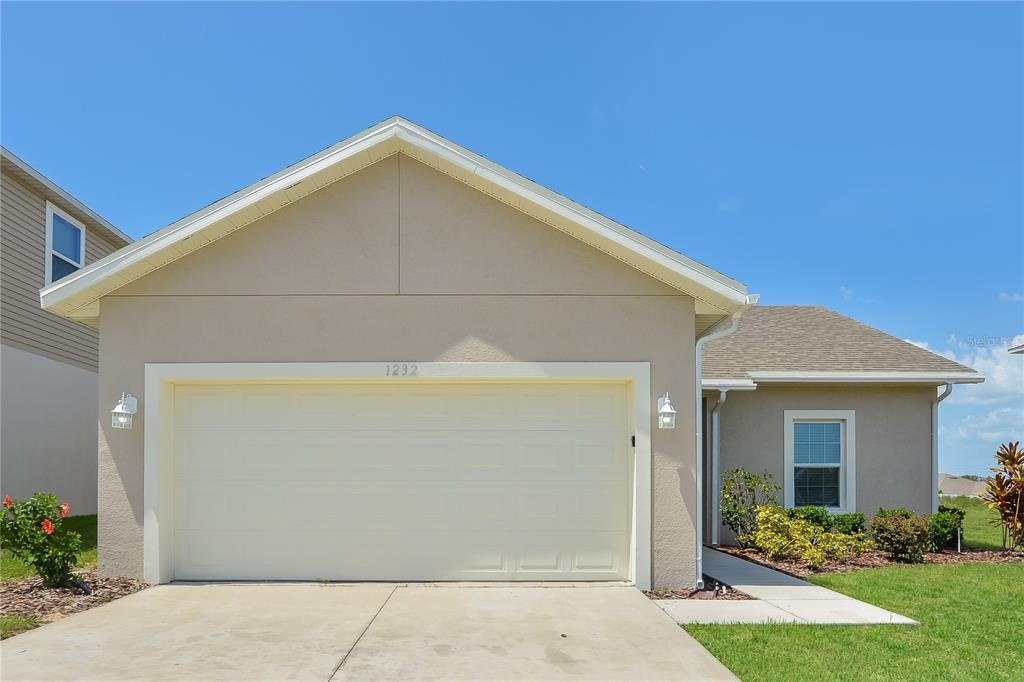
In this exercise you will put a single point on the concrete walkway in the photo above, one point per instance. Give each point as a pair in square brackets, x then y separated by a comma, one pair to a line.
[778, 598]
[361, 632]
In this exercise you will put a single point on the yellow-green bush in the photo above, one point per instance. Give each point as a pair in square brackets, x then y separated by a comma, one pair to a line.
[780, 536]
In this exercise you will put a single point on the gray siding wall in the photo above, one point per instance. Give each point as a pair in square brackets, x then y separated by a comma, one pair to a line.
[23, 324]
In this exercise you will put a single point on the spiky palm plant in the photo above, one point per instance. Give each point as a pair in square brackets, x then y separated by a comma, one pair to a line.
[1005, 493]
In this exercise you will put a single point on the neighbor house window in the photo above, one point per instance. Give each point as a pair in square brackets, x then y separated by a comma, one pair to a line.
[65, 244]
[820, 459]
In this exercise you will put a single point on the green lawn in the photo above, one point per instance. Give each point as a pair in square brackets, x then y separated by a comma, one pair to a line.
[979, 531]
[12, 625]
[971, 615]
[12, 568]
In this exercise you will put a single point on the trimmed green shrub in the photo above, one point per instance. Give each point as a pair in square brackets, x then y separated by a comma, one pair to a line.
[959, 513]
[33, 530]
[942, 527]
[819, 516]
[904, 538]
[901, 512]
[782, 536]
[742, 491]
[848, 524]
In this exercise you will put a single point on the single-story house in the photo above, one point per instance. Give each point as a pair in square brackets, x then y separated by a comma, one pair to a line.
[48, 362]
[842, 415]
[397, 360]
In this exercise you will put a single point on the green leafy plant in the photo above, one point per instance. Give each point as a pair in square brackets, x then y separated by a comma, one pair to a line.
[848, 524]
[742, 491]
[901, 512]
[782, 536]
[943, 526]
[904, 538]
[33, 530]
[1004, 493]
[819, 516]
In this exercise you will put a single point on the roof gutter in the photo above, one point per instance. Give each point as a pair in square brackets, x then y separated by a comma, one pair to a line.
[698, 468]
[870, 377]
[935, 444]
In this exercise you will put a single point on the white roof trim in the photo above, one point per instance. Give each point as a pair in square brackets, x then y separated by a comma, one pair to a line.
[868, 377]
[1018, 349]
[728, 384]
[79, 292]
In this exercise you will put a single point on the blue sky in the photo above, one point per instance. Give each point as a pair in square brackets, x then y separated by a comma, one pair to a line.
[868, 157]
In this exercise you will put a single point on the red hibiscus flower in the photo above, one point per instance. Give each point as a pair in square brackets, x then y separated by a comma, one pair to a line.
[65, 509]
[47, 525]
[7, 501]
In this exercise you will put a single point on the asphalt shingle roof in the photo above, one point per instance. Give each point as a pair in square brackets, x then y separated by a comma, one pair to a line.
[776, 338]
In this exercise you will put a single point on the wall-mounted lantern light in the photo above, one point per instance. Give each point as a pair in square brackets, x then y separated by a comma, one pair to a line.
[666, 413]
[121, 415]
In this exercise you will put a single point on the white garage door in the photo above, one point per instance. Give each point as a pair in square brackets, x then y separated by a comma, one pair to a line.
[402, 482]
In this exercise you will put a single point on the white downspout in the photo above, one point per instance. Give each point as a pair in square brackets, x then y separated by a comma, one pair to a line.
[699, 451]
[935, 444]
[716, 446]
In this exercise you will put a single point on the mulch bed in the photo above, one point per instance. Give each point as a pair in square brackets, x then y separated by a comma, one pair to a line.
[28, 597]
[712, 590]
[875, 559]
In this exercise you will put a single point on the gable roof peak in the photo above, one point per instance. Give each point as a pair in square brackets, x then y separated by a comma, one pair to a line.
[77, 296]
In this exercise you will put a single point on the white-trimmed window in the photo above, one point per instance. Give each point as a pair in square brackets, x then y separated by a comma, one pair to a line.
[65, 244]
[820, 459]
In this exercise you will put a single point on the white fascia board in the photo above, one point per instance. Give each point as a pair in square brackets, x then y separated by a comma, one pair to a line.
[728, 384]
[190, 225]
[560, 205]
[1018, 349]
[406, 133]
[868, 377]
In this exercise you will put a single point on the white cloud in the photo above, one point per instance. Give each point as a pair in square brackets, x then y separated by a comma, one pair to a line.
[1013, 297]
[919, 344]
[977, 418]
[849, 294]
[1003, 371]
[996, 426]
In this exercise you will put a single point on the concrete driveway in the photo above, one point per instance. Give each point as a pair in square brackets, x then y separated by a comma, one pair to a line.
[363, 632]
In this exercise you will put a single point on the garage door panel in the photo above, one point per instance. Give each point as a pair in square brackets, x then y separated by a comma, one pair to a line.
[402, 482]
[311, 555]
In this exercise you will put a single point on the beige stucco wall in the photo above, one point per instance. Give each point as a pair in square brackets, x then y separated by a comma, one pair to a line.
[893, 437]
[47, 429]
[399, 263]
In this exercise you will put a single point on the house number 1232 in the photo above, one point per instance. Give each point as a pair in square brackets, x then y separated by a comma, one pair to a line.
[400, 370]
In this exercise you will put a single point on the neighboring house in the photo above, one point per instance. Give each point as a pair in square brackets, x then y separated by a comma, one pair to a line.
[840, 414]
[397, 360]
[48, 363]
[958, 486]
